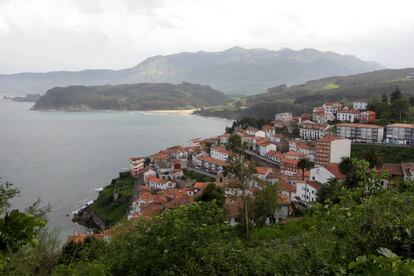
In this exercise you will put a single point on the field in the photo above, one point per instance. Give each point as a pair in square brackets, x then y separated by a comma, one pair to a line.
[389, 154]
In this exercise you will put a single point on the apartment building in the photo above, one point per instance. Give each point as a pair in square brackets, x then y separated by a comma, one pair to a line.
[348, 115]
[360, 105]
[331, 149]
[363, 133]
[400, 134]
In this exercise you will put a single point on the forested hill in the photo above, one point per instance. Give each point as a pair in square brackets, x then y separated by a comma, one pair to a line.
[235, 70]
[143, 96]
[301, 98]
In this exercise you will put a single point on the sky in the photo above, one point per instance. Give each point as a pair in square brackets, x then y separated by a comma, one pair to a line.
[50, 35]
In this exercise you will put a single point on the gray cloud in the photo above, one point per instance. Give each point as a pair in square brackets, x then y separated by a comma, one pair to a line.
[45, 35]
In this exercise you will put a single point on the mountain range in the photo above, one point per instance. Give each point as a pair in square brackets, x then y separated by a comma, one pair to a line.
[234, 71]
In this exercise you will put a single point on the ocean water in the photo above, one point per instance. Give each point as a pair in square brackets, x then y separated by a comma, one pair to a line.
[62, 157]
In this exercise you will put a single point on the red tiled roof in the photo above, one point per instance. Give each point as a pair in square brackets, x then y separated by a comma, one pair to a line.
[393, 169]
[294, 153]
[261, 170]
[334, 169]
[200, 185]
[402, 125]
[315, 184]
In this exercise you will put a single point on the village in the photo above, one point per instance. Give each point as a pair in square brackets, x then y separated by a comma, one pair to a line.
[297, 165]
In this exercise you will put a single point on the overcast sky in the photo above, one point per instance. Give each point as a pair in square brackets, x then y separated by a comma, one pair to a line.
[46, 35]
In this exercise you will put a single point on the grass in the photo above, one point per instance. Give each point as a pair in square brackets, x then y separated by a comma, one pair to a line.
[330, 86]
[111, 211]
[389, 154]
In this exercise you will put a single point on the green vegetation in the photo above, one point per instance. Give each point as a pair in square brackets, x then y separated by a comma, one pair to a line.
[198, 176]
[114, 200]
[212, 192]
[143, 96]
[389, 154]
[330, 86]
[360, 229]
[302, 98]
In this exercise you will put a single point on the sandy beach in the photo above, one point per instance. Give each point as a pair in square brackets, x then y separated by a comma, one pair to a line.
[175, 111]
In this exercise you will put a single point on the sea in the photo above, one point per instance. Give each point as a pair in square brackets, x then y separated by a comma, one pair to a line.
[63, 157]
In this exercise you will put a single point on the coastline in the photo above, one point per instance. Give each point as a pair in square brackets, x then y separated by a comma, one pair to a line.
[171, 111]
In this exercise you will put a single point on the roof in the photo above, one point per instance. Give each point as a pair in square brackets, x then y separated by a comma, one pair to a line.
[155, 179]
[275, 154]
[402, 125]
[349, 111]
[294, 153]
[393, 169]
[267, 127]
[261, 170]
[290, 161]
[309, 125]
[315, 184]
[334, 169]
[358, 125]
[282, 199]
[329, 139]
[199, 185]
[212, 160]
[284, 186]
[222, 150]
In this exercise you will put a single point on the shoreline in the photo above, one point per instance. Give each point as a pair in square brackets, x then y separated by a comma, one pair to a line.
[171, 111]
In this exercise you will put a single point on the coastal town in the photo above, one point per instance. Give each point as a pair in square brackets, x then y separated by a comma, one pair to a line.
[299, 154]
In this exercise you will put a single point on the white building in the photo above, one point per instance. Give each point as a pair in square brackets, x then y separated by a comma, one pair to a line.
[136, 165]
[307, 190]
[332, 107]
[322, 117]
[348, 115]
[331, 149]
[360, 105]
[220, 153]
[269, 130]
[364, 133]
[400, 134]
[313, 131]
[323, 174]
[264, 147]
[287, 116]
[160, 184]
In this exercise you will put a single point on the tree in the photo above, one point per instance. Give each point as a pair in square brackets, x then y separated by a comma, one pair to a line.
[235, 144]
[305, 164]
[396, 95]
[265, 204]
[399, 108]
[384, 98]
[346, 166]
[212, 192]
[373, 158]
[330, 191]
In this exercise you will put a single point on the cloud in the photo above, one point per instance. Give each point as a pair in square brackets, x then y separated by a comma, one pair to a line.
[44, 35]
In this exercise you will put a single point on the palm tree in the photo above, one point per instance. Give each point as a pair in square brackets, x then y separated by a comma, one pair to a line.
[373, 158]
[304, 164]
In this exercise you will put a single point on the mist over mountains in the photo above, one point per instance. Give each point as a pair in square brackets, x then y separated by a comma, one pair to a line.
[233, 71]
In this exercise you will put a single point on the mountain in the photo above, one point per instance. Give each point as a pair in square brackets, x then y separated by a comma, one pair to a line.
[143, 96]
[301, 98]
[236, 70]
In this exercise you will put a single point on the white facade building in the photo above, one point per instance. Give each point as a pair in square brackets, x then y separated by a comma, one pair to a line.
[360, 105]
[287, 116]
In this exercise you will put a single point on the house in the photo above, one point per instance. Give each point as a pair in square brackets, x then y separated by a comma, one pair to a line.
[364, 133]
[307, 191]
[136, 166]
[264, 147]
[149, 172]
[313, 131]
[348, 115]
[199, 186]
[360, 105]
[287, 116]
[274, 177]
[331, 149]
[321, 117]
[276, 138]
[294, 155]
[274, 155]
[269, 130]
[262, 172]
[323, 174]
[156, 183]
[287, 189]
[289, 166]
[404, 171]
[164, 169]
[211, 165]
[332, 107]
[367, 116]
[220, 153]
[224, 139]
[251, 131]
[400, 134]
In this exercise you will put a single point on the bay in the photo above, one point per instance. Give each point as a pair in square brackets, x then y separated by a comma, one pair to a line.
[62, 157]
